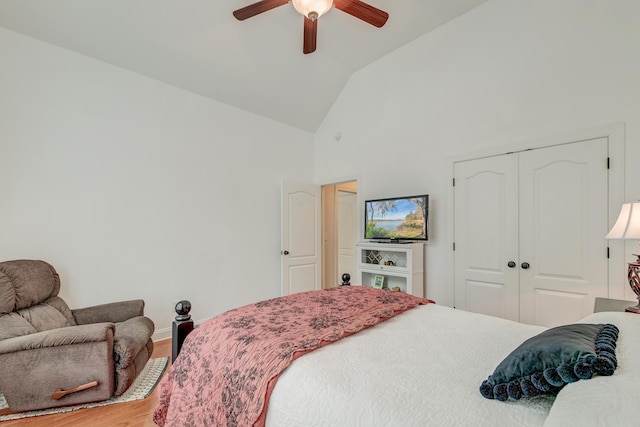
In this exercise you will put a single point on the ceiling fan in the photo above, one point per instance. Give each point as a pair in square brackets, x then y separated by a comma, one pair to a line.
[314, 9]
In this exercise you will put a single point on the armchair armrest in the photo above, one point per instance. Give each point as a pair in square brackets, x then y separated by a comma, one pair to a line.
[113, 312]
[69, 335]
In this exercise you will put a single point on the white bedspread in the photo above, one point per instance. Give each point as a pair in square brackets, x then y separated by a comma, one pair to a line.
[421, 368]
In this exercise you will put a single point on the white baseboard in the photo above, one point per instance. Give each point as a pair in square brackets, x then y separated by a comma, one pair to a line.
[161, 334]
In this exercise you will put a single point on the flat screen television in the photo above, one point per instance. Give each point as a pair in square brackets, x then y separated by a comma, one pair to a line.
[397, 218]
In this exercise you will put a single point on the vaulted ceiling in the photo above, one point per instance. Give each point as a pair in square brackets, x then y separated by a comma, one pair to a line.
[256, 65]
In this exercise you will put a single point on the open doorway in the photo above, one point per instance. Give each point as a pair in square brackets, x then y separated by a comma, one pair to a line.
[339, 232]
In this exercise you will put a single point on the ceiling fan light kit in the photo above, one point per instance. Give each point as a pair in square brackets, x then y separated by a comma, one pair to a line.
[314, 9]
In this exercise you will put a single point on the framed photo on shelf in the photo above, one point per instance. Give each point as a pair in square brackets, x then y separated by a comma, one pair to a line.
[378, 281]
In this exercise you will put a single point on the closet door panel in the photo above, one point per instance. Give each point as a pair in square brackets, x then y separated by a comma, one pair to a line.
[486, 229]
[563, 221]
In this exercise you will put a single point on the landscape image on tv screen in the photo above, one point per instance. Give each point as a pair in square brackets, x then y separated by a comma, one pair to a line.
[398, 218]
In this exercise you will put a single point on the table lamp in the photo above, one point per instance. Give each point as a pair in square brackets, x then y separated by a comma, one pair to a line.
[627, 227]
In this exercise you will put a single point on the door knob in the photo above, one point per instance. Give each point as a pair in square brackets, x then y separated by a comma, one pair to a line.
[525, 265]
[285, 252]
[511, 264]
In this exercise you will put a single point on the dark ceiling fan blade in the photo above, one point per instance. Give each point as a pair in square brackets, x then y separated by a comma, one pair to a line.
[257, 8]
[362, 10]
[310, 35]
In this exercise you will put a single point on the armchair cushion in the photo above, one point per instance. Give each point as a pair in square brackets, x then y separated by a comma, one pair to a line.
[14, 325]
[24, 283]
[43, 317]
[52, 313]
[59, 304]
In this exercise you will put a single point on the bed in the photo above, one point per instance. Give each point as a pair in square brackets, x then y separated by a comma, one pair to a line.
[413, 363]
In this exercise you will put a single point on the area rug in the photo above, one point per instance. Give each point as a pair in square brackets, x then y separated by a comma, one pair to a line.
[140, 389]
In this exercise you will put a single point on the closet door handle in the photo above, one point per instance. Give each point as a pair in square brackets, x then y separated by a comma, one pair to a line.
[525, 265]
[285, 252]
[511, 264]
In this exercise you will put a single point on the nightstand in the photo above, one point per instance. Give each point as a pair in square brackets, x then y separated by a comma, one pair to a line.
[608, 304]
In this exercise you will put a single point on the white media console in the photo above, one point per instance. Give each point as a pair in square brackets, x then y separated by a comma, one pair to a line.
[401, 265]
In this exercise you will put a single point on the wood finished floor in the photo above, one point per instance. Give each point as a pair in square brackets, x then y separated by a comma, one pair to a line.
[137, 413]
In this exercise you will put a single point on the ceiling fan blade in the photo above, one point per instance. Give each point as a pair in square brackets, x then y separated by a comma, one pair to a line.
[310, 35]
[362, 10]
[257, 8]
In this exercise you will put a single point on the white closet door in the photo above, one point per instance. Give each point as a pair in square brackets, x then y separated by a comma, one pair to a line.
[486, 236]
[563, 221]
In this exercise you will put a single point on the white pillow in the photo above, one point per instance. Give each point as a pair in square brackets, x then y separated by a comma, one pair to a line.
[605, 401]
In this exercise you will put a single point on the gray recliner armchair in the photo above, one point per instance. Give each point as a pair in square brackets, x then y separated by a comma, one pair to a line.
[53, 356]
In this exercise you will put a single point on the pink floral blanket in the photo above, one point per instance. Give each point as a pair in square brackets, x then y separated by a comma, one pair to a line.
[229, 365]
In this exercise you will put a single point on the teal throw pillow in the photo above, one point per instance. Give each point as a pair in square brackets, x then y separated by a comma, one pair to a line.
[545, 363]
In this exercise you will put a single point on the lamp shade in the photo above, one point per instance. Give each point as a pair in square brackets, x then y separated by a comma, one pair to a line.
[627, 226]
[312, 9]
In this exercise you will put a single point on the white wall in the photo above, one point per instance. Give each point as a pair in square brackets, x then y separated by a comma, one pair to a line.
[507, 72]
[132, 188]
[135, 189]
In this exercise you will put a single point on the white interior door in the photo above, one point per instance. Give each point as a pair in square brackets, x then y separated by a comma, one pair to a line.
[563, 221]
[301, 244]
[486, 230]
[347, 234]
